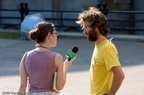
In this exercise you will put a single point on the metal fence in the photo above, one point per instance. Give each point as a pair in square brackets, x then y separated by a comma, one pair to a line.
[127, 22]
[130, 22]
[61, 19]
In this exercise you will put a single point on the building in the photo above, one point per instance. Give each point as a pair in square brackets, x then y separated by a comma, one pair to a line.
[75, 5]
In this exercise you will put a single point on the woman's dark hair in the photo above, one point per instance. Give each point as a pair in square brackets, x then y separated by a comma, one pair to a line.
[41, 31]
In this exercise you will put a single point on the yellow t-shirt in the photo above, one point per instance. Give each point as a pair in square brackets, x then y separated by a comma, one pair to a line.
[105, 56]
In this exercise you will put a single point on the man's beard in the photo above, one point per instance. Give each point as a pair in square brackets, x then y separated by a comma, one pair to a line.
[92, 35]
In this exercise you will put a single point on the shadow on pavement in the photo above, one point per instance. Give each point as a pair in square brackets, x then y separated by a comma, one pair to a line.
[130, 53]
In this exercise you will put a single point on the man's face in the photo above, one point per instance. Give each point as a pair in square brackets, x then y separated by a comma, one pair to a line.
[90, 32]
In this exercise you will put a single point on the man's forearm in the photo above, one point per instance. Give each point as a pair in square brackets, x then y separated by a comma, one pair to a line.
[117, 80]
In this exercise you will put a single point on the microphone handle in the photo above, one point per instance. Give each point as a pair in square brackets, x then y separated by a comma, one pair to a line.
[69, 58]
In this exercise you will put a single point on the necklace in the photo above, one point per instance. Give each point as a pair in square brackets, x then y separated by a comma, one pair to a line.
[43, 47]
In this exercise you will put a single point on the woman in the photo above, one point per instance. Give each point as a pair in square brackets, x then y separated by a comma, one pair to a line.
[40, 64]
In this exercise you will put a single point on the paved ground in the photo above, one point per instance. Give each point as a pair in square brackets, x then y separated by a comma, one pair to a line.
[131, 56]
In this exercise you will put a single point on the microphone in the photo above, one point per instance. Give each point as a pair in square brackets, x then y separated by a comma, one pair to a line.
[71, 54]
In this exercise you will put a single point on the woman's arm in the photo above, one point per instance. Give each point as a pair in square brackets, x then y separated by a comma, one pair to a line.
[62, 68]
[23, 77]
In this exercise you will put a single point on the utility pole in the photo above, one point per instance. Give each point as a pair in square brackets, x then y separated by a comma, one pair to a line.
[131, 25]
[56, 6]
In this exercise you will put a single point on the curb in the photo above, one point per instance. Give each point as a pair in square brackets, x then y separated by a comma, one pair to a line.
[138, 38]
[124, 37]
[76, 35]
[71, 35]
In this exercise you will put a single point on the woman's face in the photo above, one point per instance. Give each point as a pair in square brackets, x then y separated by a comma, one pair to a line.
[54, 38]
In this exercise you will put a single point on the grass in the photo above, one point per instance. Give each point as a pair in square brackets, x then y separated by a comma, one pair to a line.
[9, 35]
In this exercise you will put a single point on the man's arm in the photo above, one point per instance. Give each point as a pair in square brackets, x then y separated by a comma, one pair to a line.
[117, 80]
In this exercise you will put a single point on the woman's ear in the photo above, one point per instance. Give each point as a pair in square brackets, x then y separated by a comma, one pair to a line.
[49, 35]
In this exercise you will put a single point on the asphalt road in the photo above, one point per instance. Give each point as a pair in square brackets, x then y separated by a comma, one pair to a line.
[131, 54]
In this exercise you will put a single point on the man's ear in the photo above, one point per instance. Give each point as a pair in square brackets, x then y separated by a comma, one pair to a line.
[97, 30]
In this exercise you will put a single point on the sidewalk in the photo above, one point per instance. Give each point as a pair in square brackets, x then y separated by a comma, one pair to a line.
[130, 52]
[139, 38]
[77, 34]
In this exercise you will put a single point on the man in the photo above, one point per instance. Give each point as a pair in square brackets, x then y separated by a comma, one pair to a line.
[106, 74]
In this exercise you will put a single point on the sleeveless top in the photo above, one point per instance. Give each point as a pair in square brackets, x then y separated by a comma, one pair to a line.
[40, 67]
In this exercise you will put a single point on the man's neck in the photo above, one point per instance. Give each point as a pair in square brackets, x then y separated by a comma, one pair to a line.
[100, 39]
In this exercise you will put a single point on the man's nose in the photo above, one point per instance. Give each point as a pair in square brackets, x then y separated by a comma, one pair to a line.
[84, 31]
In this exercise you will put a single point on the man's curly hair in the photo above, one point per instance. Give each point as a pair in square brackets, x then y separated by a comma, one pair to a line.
[96, 19]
